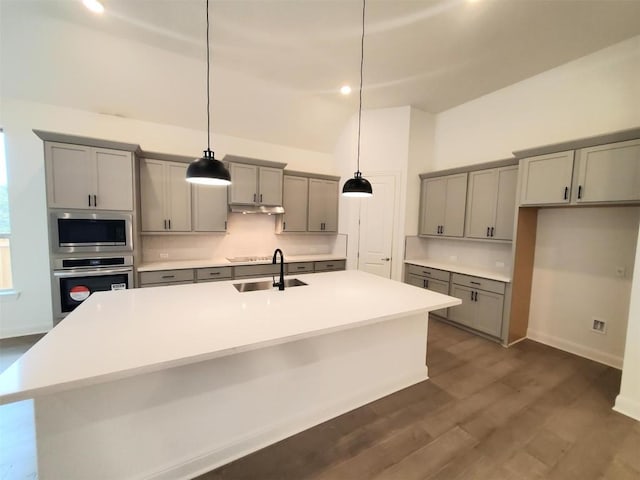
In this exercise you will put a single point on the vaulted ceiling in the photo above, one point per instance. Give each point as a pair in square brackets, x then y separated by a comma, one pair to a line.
[277, 65]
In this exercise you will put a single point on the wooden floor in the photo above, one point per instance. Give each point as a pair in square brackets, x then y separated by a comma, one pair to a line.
[527, 412]
[487, 412]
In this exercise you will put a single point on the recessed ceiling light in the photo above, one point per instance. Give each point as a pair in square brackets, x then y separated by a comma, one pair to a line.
[345, 90]
[94, 5]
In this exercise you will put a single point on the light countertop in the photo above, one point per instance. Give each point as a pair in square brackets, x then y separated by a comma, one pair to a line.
[120, 334]
[223, 262]
[458, 268]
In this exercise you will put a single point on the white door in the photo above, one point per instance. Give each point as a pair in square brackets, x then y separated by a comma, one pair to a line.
[376, 226]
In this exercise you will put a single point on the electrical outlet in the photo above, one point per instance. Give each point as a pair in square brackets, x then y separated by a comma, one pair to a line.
[598, 326]
[164, 256]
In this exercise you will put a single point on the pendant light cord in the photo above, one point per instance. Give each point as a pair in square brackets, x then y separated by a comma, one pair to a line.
[361, 67]
[208, 97]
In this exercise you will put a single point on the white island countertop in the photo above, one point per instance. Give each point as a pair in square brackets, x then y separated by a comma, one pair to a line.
[463, 269]
[120, 334]
[223, 262]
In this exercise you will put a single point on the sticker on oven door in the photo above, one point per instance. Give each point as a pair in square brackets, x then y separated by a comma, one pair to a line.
[118, 286]
[79, 293]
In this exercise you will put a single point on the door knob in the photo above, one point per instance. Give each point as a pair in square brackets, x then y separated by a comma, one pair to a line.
[385, 259]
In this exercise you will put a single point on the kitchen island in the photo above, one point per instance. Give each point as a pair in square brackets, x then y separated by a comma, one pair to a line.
[169, 382]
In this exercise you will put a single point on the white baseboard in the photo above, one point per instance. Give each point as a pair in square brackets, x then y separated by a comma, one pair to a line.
[614, 361]
[627, 406]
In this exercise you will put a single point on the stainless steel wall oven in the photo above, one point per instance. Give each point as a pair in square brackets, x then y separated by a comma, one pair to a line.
[75, 279]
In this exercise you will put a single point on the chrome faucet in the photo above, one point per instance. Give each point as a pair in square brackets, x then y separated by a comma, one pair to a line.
[279, 284]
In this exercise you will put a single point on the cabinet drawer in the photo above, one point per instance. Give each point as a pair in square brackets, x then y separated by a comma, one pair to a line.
[329, 265]
[164, 284]
[166, 276]
[263, 270]
[428, 272]
[299, 267]
[478, 283]
[213, 273]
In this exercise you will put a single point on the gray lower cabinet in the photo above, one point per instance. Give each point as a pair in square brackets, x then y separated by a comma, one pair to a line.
[166, 277]
[482, 303]
[299, 267]
[329, 265]
[431, 279]
[260, 270]
[213, 274]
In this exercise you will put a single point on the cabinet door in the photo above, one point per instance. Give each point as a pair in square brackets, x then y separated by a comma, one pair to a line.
[320, 200]
[464, 313]
[68, 171]
[331, 206]
[434, 192]
[481, 203]
[608, 173]
[113, 179]
[505, 203]
[295, 202]
[440, 287]
[270, 186]
[209, 208]
[455, 204]
[546, 179]
[152, 196]
[244, 186]
[416, 280]
[488, 317]
[178, 198]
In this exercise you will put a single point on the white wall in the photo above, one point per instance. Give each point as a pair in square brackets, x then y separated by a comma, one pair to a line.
[628, 402]
[592, 95]
[385, 150]
[577, 253]
[31, 312]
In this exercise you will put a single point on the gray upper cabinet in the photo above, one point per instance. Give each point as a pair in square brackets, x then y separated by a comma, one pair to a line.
[323, 205]
[88, 178]
[295, 200]
[491, 201]
[608, 173]
[209, 208]
[442, 206]
[255, 185]
[165, 196]
[546, 179]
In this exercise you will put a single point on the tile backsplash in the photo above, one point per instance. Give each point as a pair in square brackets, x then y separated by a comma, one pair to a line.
[486, 255]
[247, 235]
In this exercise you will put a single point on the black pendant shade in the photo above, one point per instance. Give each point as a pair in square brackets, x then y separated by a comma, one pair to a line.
[206, 170]
[357, 187]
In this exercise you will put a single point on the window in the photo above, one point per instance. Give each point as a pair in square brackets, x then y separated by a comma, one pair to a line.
[5, 228]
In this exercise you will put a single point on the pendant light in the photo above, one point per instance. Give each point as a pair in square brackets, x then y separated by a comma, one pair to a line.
[358, 186]
[206, 170]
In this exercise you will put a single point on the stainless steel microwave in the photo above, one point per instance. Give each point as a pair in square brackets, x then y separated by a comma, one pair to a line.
[73, 232]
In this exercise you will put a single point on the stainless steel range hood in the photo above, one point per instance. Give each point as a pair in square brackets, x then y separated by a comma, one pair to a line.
[275, 210]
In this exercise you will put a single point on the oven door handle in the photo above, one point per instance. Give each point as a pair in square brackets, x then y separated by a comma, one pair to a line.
[90, 273]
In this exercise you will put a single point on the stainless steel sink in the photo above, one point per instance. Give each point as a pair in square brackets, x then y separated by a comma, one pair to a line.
[266, 285]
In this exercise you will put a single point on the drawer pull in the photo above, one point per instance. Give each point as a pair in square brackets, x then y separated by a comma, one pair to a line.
[424, 272]
[168, 276]
[214, 273]
[472, 295]
[476, 296]
[300, 268]
[475, 283]
[330, 265]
